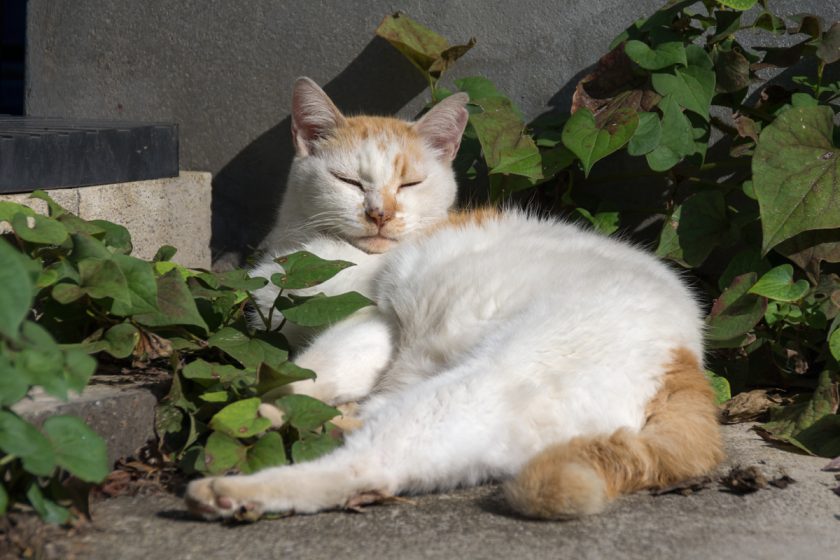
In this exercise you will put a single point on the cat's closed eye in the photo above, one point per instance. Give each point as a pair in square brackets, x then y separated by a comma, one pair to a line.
[349, 181]
[411, 184]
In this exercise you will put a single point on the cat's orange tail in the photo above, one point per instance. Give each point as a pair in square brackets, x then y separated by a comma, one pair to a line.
[679, 440]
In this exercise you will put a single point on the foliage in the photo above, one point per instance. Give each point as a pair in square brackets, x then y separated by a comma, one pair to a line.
[750, 172]
[72, 291]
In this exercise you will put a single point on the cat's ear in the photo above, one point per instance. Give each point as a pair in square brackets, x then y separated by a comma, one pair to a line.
[444, 124]
[314, 115]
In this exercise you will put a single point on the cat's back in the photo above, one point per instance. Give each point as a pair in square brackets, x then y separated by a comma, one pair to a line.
[499, 265]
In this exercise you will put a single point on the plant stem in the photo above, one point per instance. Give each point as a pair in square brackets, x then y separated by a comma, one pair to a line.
[265, 321]
[7, 459]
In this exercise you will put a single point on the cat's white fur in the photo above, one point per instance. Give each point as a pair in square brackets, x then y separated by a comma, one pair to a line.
[491, 340]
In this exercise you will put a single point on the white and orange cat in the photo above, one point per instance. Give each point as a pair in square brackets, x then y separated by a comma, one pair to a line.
[502, 346]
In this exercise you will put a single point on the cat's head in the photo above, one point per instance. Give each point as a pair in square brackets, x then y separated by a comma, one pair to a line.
[372, 180]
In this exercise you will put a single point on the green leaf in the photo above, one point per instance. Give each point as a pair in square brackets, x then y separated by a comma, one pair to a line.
[676, 140]
[305, 413]
[269, 451]
[271, 378]
[796, 173]
[165, 253]
[304, 270]
[238, 279]
[78, 367]
[8, 210]
[14, 382]
[478, 88]
[647, 135]
[736, 311]
[44, 230]
[175, 304]
[120, 340]
[500, 131]
[4, 499]
[720, 385]
[321, 310]
[605, 222]
[17, 290]
[78, 449]
[665, 54]
[792, 423]
[834, 344]
[778, 284]
[829, 48]
[19, 437]
[250, 352]
[223, 453]
[732, 71]
[102, 278]
[48, 510]
[590, 143]
[525, 161]
[692, 87]
[740, 5]
[141, 284]
[695, 228]
[115, 237]
[313, 447]
[85, 246]
[240, 419]
[217, 373]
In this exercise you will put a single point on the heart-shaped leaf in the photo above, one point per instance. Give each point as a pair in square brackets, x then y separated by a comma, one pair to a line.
[321, 310]
[692, 87]
[304, 412]
[19, 437]
[676, 140]
[735, 312]
[240, 419]
[778, 284]
[665, 54]
[269, 451]
[591, 143]
[796, 174]
[647, 135]
[78, 449]
[223, 453]
[304, 270]
[249, 351]
[17, 290]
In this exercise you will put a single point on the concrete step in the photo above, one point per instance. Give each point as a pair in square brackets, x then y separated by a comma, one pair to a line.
[120, 408]
[173, 211]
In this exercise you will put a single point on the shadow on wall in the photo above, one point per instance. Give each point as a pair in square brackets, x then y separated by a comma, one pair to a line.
[248, 190]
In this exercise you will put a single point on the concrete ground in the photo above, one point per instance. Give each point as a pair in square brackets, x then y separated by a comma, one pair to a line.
[800, 521]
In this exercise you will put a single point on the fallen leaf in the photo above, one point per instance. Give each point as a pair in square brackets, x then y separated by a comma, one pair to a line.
[744, 480]
[750, 406]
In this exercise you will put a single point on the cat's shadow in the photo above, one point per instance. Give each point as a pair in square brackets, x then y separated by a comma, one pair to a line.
[248, 190]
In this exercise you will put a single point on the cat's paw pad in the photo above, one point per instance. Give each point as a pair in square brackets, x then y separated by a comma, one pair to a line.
[218, 498]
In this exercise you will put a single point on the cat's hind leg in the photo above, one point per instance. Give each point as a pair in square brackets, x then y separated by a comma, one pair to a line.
[680, 440]
[440, 433]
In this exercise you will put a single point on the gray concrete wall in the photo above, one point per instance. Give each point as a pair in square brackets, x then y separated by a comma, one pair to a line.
[223, 70]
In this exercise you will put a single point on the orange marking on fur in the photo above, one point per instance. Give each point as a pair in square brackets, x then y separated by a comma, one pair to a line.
[680, 440]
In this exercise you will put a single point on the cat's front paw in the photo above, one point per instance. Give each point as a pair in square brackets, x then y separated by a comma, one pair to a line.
[222, 498]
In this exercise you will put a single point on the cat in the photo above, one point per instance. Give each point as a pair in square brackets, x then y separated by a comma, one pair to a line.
[503, 346]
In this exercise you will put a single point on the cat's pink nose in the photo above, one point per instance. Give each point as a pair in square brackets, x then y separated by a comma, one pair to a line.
[379, 216]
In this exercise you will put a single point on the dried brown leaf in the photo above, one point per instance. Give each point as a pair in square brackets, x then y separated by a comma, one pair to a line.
[744, 480]
[749, 406]
[613, 85]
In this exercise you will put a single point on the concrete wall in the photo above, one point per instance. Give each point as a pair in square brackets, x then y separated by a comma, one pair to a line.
[222, 70]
